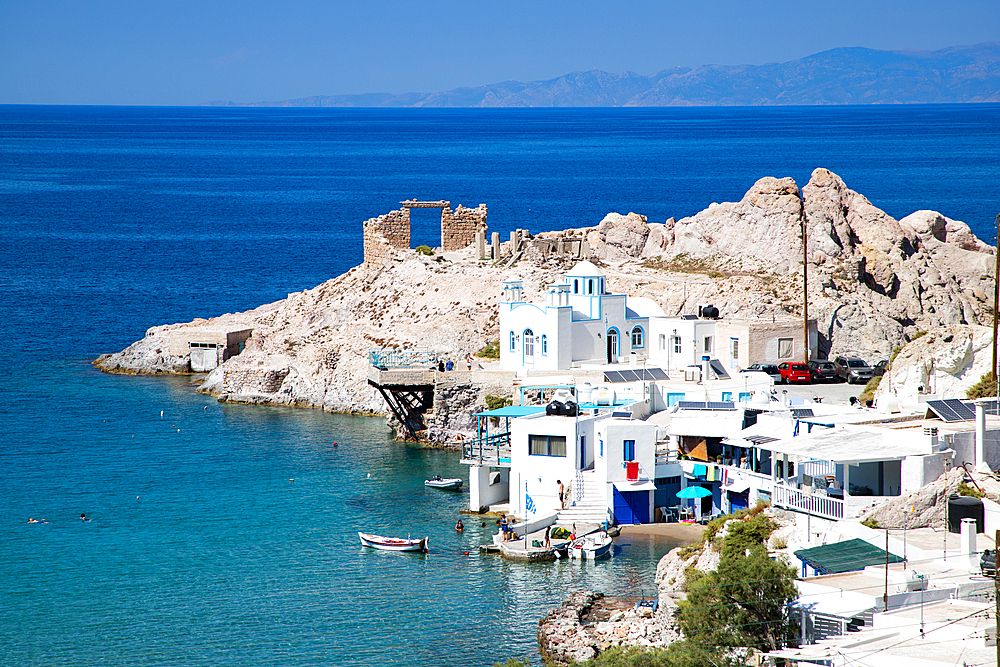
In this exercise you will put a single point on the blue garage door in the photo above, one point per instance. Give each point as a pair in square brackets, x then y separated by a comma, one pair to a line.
[631, 507]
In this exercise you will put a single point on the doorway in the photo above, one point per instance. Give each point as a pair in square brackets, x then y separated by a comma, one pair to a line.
[612, 346]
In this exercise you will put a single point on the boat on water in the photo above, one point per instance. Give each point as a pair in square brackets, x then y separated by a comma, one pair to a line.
[393, 543]
[450, 484]
[591, 547]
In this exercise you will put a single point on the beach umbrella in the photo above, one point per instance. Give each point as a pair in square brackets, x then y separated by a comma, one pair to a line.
[694, 492]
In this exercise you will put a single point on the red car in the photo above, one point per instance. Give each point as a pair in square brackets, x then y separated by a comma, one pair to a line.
[794, 372]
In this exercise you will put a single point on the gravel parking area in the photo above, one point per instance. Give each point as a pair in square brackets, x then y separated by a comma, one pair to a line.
[838, 393]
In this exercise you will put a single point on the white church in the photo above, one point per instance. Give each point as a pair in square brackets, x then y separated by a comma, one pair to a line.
[578, 322]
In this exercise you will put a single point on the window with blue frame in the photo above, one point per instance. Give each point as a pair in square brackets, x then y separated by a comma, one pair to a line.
[545, 345]
[547, 445]
[727, 396]
[637, 337]
[746, 395]
[628, 450]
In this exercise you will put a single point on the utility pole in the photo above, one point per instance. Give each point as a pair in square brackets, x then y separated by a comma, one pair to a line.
[885, 595]
[996, 590]
[996, 298]
[805, 289]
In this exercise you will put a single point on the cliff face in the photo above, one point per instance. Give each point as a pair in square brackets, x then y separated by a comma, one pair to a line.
[873, 283]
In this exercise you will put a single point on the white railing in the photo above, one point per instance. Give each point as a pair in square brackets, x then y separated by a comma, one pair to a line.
[817, 505]
[578, 487]
[819, 468]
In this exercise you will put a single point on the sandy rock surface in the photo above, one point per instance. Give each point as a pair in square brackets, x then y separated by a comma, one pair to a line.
[925, 507]
[587, 624]
[947, 362]
[874, 282]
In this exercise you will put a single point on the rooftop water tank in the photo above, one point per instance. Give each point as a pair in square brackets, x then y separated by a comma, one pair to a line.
[964, 507]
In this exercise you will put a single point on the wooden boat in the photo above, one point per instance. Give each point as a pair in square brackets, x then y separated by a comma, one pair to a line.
[452, 484]
[591, 547]
[393, 543]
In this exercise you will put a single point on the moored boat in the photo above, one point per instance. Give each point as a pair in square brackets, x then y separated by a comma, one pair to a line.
[393, 543]
[451, 484]
[591, 547]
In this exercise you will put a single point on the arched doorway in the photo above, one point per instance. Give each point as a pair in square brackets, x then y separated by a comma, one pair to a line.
[529, 345]
[612, 346]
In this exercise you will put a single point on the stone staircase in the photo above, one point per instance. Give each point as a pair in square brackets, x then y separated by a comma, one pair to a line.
[591, 508]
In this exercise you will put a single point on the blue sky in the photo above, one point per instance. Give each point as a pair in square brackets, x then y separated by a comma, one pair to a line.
[178, 52]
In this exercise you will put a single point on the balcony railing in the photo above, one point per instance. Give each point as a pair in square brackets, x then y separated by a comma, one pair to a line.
[491, 450]
[817, 505]
[411, 357]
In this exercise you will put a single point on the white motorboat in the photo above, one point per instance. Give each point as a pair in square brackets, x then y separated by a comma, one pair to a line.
[591, 547]
[450, 484]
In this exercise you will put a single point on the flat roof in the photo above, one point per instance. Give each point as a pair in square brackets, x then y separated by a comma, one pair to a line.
[853, 444]
[846, 556]
[513, 411]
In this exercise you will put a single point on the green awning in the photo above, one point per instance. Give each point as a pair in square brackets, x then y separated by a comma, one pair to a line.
[513, 411]
[846, 556]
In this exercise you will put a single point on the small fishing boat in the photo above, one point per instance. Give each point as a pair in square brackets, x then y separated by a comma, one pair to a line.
[451, 484]
[591, 547]
[393, 543]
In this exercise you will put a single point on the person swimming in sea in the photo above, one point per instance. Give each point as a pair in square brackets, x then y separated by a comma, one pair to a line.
[459, 527]
[83, 517]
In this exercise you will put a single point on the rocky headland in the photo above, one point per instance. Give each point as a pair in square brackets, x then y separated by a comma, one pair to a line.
[874, 283]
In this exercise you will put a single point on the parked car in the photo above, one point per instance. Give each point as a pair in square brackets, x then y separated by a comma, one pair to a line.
[854, 370]
[792, 372]
[770, 369]
[823, 371]
[880, 368]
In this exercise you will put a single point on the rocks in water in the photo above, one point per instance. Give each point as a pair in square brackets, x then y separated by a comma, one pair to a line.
[587, 624]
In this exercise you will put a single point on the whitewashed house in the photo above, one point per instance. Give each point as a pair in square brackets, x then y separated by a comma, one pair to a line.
[578, 322]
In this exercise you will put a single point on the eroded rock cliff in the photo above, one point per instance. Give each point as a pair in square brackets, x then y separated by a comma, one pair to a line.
[874, 282]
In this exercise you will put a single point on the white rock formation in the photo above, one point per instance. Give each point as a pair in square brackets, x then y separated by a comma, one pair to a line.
[946, 362]
[874, 282]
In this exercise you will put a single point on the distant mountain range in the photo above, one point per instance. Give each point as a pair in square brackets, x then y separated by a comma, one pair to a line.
[957, 74]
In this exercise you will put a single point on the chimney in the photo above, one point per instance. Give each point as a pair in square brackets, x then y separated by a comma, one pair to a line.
[932, 433]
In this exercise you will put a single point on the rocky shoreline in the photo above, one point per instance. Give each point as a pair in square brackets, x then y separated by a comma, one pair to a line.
[588, 623]
[874, 284]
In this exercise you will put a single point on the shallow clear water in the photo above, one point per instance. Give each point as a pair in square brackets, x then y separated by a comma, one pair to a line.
[201, 548]
[227, 534]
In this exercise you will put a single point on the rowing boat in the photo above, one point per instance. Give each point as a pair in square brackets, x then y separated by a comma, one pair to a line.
[392, 543]
[452, 484]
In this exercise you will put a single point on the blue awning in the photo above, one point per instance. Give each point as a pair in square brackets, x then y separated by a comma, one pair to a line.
[513, 411]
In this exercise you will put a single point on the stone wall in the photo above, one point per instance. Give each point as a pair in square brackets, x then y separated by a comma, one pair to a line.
[459, 227]
[385, 234]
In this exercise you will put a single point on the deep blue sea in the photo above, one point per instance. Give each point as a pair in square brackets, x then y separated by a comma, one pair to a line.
[226, 534]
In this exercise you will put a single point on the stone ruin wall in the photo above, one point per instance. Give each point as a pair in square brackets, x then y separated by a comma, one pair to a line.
[384, 235]
[459, 227]
[390, 232]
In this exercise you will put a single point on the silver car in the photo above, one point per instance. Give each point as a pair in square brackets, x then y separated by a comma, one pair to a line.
[770, 369]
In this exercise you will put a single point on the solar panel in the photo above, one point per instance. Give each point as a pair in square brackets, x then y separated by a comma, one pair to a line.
[659, 374]
[947, 412]
[760, 439]
[710, 405]
[961, 408]
[612, 376]
[720, 371]
[629, 376]
[802, 412]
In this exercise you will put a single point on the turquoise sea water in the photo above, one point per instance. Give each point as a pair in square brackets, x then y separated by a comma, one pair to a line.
[201, 548]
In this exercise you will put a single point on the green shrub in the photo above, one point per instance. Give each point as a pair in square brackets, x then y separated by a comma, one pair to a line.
[491, 351]
[424, 250]
[971, 491]
[497, 402]
[870, 522]
[868, 392]
[986, 387]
